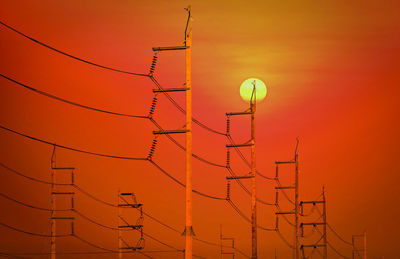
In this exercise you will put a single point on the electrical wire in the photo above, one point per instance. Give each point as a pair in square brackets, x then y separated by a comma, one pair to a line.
[31, 233]
[71, 56]
[337, 252]
[29, 205]
[71, 148]
[71, 102]
[336, 234]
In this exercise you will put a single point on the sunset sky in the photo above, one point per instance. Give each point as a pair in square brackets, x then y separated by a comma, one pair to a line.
[332, 73]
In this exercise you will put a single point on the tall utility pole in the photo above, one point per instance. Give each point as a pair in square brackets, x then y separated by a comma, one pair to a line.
[53, 206]
[252, 174]
[188, 232]
[253, 101]
[365, 244]
[296, 203]
[188, 55]
[324, 225]
[356, 251]
[295, 186]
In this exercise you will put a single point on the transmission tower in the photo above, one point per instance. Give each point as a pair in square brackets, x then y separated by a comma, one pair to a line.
[356, 251]
[188, 232]
[252, 175]
[54, 193]
[123, 224]
[315, 225]
[294, 187]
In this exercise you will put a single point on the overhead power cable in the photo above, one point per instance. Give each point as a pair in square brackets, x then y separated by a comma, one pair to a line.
[71, 56]
[30, 233]
[338, 236]
[71, 148]
[71, 102]
[337, 252]
[29, 205]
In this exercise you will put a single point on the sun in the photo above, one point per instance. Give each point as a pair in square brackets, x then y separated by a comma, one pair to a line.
[246, 89]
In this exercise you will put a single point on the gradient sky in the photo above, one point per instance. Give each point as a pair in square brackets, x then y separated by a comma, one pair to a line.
[332, 72]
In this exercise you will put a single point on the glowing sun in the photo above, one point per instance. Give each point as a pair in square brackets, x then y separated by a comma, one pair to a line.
[246, 89]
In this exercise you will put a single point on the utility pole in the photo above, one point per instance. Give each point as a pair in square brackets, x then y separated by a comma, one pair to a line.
[295, 186]
[325, 222]
[222, 238]
[54, 193]
[296, 203]
[252, 174]
[53, 206]
[315, 226]
[365, 244]
[356, 251]
[188, 55]
[188, 232]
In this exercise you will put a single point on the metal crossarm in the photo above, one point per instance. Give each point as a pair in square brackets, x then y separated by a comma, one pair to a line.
[169, 132]
[170, 90]
[170, 48]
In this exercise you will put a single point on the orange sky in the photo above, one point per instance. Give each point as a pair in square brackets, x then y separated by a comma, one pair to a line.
[332, 73]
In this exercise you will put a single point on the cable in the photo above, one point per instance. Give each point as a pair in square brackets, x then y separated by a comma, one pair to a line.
[247, 190]
[184, 185]
[93, 245]
[31, 233]
[30, 178]
[183, 148]
[71, 148]
[71, 102]
[71, 56]
[284, 192]
[284, 239]
[336, 234]
[246, 218]
[30, 206]
[337, 252]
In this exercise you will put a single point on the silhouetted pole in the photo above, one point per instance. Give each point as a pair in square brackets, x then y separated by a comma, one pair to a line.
[324, 215]
[189, 223]
[53, 207]
[296, 204]
[253, 101]
[365, 245]
[119, 229]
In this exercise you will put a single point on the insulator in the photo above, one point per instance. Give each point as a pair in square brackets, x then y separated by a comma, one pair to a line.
[72, 178]
[301, 230]
[277, 222]
[153, 64]
[140, 244]
[228, 125]
[276, 197]
[228, 158]
[72, 228]
[152, 149]
[72, 202]
[276, 172]
[153, 106]
[228, 190]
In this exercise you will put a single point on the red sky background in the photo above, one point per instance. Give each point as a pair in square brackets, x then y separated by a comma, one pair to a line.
[332, 73]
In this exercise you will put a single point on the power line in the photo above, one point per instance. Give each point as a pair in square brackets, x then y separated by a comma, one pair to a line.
[336, 234]
[71, 148]
[337, 252]
[29, 205]
[72, 56]
[30, 233]
[71, 102]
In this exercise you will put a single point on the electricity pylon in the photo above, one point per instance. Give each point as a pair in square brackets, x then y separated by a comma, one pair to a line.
[55, 192]
[188, 232]
[295, 187]
[252, 174]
